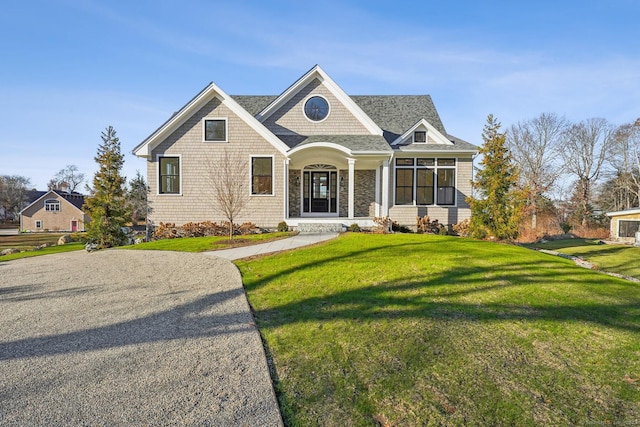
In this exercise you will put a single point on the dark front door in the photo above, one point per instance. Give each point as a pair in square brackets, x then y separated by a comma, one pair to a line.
[320, 192]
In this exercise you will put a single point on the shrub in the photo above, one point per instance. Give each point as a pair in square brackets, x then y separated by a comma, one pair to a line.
[200, 229]
[462, 228]
[443, 230]
[425, 225]
[400, 228]
[382, 224]
[283, 226]
[354, 228]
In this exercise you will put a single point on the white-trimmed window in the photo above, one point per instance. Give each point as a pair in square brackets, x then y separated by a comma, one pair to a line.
[214, 129]
[420, 137]
[424, 182]
[38, 223]
[169, 178]
[261, 175]
[316, 108]
[52, 205]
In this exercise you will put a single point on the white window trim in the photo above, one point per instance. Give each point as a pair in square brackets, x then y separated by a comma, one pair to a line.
[305, 103]
[41, 223]
[273, 175]
[158, 156]
[52, 202]
[226, 130]
[435, 182]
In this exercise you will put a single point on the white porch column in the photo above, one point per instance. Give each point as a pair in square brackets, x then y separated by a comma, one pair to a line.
[384, 211]
[377, 198]
[286, 189]
[352, 162]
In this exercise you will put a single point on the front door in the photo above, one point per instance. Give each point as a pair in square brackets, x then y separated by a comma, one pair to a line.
[320, 192]
[74, 225]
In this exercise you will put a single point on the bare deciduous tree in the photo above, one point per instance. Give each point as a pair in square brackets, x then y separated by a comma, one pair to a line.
[67, 177]
[230, 187]
[584, 150]
[13, 194]
[534, 145]
[626, 162]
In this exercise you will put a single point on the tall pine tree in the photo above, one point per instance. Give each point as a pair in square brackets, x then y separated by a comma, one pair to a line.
[497, 210]
[106, 205]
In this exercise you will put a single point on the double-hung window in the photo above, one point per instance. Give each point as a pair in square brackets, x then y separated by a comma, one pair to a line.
[446, 181]
[262, 176]
[425, 182]
[404, 181]
[169, 175]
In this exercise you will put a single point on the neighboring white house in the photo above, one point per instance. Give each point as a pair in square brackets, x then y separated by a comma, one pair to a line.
[312, 155]
[625, 224]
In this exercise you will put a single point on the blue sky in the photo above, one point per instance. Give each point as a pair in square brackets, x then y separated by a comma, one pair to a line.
[70, 68]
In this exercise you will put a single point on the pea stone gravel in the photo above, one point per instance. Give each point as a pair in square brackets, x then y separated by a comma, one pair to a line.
[120, 337]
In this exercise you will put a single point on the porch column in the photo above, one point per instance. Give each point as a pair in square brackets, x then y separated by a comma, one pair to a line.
[384, 211]
[352, 162]
[377, 197]
[286, 189]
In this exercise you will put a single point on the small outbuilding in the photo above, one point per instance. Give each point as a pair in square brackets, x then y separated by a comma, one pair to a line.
[54, 210]
[624, 225]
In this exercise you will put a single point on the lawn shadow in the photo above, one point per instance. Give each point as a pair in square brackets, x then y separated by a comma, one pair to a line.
[447, 294]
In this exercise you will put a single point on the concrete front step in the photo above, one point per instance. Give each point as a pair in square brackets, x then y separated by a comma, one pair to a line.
[321, 227]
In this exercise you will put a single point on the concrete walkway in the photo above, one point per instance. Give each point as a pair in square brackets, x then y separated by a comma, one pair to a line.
[297, 241]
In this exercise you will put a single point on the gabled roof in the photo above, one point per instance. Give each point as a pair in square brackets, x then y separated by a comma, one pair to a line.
[207, 94]
[318, 73]
[433, 134]
[75, 199]
[388, 116]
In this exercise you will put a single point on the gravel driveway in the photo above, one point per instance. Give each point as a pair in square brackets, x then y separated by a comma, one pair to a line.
[130, 338]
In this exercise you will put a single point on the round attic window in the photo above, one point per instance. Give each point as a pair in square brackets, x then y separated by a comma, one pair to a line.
[316, 108]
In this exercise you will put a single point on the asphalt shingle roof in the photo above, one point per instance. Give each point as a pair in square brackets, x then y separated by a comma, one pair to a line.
[76, 199]
[254, 103]
[394, 114]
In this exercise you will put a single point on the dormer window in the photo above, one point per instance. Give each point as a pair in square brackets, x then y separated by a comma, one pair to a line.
[420, 137]
[52, 205]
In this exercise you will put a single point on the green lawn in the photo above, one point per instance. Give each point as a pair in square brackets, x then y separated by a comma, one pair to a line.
[621, 259]
[410, 330]
[45, 251]
[210, 243]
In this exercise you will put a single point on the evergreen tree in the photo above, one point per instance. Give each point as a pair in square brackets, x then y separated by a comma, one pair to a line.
[497, 210]
[137, 198]
[106, 205]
